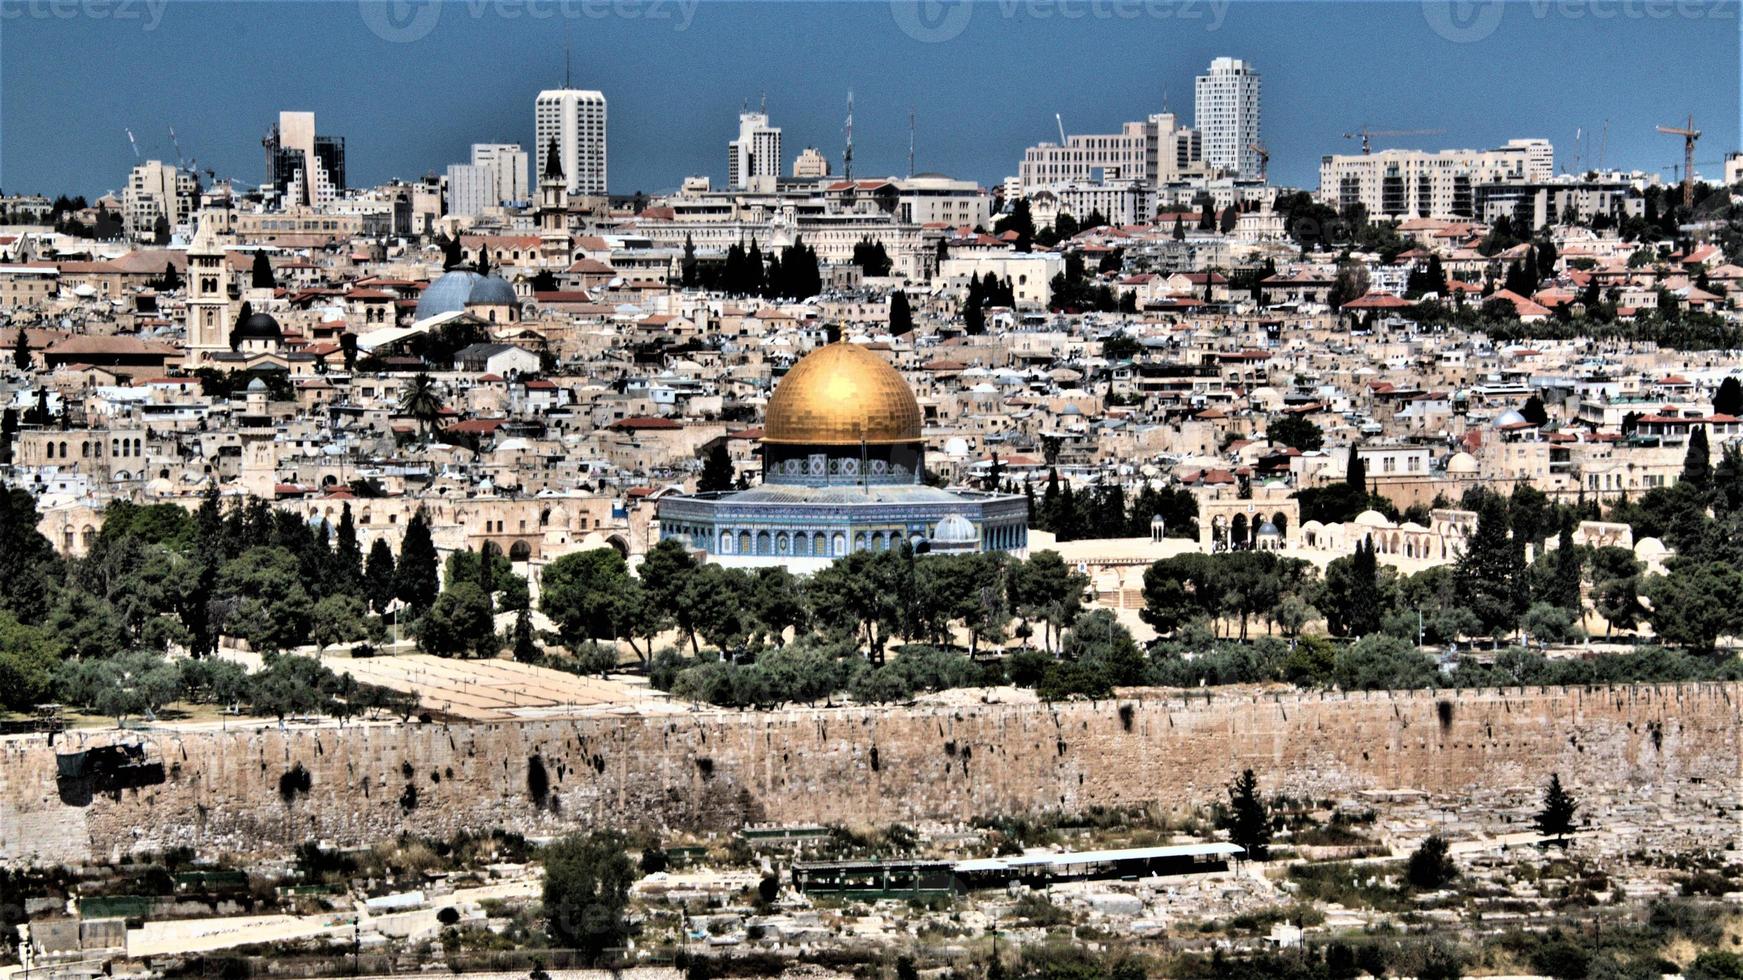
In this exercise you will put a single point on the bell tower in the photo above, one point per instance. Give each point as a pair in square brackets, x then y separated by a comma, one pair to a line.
[208, 323]
[553, 192]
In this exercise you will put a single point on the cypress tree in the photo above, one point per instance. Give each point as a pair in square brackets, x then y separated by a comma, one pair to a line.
[416, 578]
[1697, 464]
[1565, 581]
[901, 318]
[379, 582]
[347, 552]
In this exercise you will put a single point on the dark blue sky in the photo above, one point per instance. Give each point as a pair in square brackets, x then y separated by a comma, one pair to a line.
[984, 79]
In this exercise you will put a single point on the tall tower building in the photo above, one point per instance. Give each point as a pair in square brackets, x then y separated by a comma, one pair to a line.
[208, 326]
[1226, 114]
[304, 167]
[575, 119]
[753, 161]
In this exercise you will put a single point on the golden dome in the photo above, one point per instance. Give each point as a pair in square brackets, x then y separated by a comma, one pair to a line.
[842, 394]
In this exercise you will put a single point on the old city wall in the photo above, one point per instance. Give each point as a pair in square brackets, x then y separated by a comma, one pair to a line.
[228, 790]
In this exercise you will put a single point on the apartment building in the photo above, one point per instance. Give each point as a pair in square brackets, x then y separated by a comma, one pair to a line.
[508, 162]
[1226, 111]
[157, 190]
[1400, 184]
[1158, 150]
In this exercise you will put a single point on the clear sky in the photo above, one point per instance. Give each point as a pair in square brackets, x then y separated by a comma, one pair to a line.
[411, 84]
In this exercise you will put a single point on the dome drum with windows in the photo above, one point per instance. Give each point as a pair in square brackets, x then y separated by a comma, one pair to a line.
[843, 470]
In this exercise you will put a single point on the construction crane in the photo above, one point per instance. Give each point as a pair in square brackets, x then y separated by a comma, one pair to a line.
[133, 143]
[1689, 135]
[1264, 159]
[1061, 124]
[1367, 134]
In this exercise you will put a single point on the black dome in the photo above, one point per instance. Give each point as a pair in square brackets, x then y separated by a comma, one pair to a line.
[260, 326]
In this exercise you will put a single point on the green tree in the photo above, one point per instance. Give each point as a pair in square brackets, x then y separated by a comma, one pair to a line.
[338, 618]
[1249, 820]
[268, 605]
[1296, 432]
[1098, 637]
[1697, 466]
[1696, 603]
[586, 891]
[1431, 866]
[135, 683]
[379, 581]
[1728, 400]
[1556, 819]
[421, 401]
[28, 564]
[590, 596]
[717, 470]
[522, 643]
[1350, 597]
[1044, 588]
[29, 658]
[260, 276]
[416, 579]
[459, 623]
[901, 317]
[1567, 572]
[21, 349]
[1486, 578]
[347, 553]
[289, 684]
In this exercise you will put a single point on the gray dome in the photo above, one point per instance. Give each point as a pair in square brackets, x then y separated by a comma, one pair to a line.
[954, 529]
[1269, 530]
[260, 326]
[455, 290]
[492, 291]
[256, 385]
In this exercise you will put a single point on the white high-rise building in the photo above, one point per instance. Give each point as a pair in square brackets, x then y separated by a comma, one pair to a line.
[575, 118]
[1226, 114]
[471, 189]
[509, 162]
[753, 161]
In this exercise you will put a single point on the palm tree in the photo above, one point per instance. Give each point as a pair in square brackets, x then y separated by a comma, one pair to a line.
[421, 401]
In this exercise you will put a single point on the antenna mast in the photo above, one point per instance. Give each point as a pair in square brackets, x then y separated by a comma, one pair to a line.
[910, 142]
[847, 154]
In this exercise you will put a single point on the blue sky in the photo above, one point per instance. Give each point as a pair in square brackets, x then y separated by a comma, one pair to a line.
[412, 83]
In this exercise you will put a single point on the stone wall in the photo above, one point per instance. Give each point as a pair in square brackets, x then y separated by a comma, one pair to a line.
[715, 770]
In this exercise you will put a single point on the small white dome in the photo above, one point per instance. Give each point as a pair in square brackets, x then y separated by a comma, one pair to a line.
[1372, 518]
[955, 529]
[1461, 463]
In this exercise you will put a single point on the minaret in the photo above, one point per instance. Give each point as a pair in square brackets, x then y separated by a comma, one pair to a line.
[208, 323]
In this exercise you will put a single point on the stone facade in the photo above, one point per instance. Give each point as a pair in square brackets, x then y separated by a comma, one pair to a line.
[714, 770]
